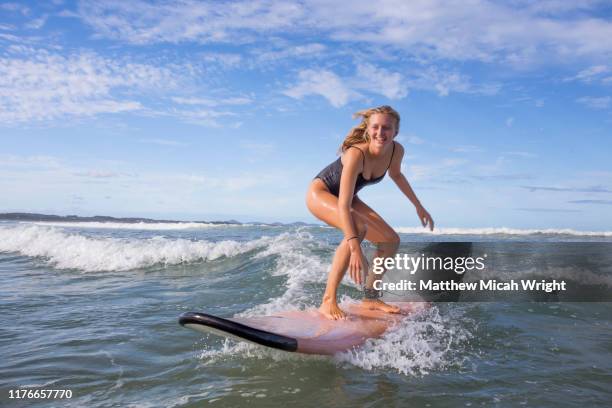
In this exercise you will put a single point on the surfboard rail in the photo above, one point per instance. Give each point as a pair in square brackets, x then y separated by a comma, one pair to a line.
[204, 322]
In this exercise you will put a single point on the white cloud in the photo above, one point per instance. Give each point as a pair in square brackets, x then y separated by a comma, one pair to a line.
[37, 162]
[257, 148]
[321, 82]
[595, 102]
[466, 149]
[414, 140]
[163, 142]
[15, 7]
[380, 81]
[517, 32]
[442, 81]
[236, 100]
[37, 23]
[590, 74]
[299, 51]
[509, 122]
[524, 155]
[142, 22]
[40, 85]
[206, 117]
[224, 59]
[101, 174]
[441, 169]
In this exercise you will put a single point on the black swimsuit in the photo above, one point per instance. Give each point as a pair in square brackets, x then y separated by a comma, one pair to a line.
[331, 174]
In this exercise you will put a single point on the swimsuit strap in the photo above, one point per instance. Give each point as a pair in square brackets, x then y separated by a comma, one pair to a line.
[390, 161]
[362, 153]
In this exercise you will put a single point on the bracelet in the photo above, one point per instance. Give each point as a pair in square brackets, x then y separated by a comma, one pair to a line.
[353, 237]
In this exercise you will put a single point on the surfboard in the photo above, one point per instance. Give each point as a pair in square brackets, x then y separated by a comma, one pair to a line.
[305, 331]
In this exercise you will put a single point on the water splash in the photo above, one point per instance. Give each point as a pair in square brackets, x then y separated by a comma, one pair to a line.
[427, 341]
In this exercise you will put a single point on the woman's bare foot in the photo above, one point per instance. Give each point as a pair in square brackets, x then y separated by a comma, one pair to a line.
[377, 304]
[330, 309]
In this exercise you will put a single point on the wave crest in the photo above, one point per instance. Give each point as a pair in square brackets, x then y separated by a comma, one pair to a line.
[65, 250]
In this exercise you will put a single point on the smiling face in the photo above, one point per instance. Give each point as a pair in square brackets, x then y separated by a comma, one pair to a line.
[382, 128]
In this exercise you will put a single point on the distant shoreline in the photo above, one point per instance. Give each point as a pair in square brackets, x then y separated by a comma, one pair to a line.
[128, 220]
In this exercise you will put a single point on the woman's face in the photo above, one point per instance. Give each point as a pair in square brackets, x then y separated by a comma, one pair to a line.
[382, 129]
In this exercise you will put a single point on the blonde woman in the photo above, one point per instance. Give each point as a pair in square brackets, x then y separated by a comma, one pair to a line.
[368, 153]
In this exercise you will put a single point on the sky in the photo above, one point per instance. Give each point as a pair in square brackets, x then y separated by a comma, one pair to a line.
[198, 110]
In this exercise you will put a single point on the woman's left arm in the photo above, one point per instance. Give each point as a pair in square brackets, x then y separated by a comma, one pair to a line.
[395, 172]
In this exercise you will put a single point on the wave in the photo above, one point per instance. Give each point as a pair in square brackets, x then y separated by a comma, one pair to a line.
[65, 250]
[302, 267]
[146, 226]
[501, 231]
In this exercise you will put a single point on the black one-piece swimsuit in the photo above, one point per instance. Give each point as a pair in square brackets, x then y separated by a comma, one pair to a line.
[332, 173]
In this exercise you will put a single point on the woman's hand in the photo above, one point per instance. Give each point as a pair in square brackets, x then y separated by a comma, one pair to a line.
[425, 218]
[356, 264]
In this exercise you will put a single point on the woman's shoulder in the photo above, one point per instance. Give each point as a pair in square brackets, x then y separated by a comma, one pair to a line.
[399, 149]
[356, 149]
[360, 148]
[352, 154]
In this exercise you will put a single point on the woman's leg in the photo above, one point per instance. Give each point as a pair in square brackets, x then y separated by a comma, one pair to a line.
[386, 241]
[368, 223]
[324, 206]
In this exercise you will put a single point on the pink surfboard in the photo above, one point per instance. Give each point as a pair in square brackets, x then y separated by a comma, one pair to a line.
[304, 331]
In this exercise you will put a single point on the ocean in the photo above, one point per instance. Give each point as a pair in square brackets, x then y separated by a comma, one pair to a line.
[93, 308]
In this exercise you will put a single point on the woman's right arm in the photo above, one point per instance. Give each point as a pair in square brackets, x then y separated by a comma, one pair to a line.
[352, 165]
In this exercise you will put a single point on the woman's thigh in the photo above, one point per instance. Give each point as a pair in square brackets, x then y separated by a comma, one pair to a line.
[324, 206]
[378, 229]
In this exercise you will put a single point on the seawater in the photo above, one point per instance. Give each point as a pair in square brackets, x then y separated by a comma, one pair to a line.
[93, 308]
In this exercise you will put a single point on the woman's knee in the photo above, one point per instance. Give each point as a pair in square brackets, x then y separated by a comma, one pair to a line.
[389, 243]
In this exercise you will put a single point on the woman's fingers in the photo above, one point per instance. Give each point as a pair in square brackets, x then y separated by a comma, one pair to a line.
[426, 219]
[355, 270]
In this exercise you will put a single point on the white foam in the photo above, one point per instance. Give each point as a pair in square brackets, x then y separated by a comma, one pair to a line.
[420, 344]
[297, 261]
[145, 226]
[65, 250]
[233, 349]
[500, 231]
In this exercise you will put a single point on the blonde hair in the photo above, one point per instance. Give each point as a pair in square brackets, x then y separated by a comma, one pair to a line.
[359, 133]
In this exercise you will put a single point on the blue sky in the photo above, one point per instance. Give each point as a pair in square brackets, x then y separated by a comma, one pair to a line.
[217, 110]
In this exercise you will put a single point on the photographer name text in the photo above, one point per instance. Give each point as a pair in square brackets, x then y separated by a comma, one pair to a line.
[481, 285]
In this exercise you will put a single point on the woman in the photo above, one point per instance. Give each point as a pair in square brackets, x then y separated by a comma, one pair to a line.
[369, 152]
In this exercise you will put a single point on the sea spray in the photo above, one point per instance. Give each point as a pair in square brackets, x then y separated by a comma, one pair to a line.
[426, 341]
[297, 261]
